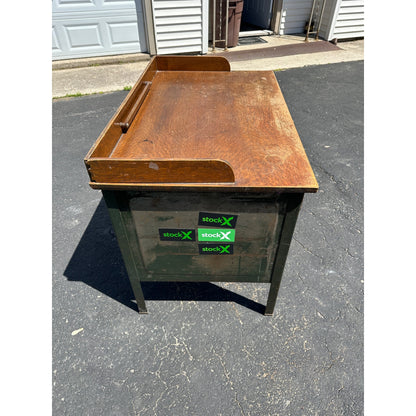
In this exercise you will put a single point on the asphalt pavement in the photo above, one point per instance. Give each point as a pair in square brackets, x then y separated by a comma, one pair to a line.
[204, 349]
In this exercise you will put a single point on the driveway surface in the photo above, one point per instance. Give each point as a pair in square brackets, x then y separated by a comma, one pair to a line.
[204, 349]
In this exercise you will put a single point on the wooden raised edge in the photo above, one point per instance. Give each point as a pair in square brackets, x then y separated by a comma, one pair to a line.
[109, 137]
[192, 63]
[127, 171]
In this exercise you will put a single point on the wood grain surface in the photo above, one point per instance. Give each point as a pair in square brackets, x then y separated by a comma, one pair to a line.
[239, 117]
[160, 171]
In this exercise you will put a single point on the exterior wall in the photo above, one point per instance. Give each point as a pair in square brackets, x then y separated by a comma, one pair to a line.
[85, 28]
[343, 19]
[294, 15]
[350, 20]
[180, 26]
[328, 18]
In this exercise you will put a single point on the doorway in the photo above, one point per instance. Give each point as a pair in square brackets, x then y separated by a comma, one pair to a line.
[256, 18]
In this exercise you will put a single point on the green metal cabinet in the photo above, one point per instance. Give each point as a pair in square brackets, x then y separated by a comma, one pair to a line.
[263, 231]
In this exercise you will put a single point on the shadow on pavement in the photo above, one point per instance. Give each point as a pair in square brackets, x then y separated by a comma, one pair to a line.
[98, 263]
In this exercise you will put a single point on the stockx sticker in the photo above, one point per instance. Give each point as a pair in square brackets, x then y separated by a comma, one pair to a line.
[218, 249]
[169, 234]
[212, 234]
[217, 220]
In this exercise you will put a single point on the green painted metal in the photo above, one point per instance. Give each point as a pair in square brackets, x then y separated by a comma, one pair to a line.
[120, 215]
[262, 237]
[293, 204]
[253, 249]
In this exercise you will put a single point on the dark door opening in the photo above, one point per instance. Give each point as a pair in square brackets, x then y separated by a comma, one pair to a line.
[256, 17]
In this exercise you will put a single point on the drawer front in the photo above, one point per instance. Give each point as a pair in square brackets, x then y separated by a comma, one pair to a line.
[206, 236]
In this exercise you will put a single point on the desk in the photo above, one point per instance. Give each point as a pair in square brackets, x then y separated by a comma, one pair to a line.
[203, 174]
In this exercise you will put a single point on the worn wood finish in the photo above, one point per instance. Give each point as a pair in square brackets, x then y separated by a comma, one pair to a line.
[109, 137]
[239, 117]
[213, 114]
[127, 115]
[111, 134]
[192, 63]
[159, 171]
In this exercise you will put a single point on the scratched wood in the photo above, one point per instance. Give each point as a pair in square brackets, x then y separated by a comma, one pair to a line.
[111, 134]
[159, 171]
[238, 117]
[109, 137]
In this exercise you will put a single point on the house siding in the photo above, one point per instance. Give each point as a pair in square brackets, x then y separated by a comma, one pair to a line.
[180, 26]
[343, 19]
[294, 15]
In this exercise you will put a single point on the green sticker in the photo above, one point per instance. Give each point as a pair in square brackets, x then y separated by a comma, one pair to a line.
[213, 234]
[216, 249]
[174, 234]
[217, 220]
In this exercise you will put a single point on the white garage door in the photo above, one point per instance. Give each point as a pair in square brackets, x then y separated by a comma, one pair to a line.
[84, 28]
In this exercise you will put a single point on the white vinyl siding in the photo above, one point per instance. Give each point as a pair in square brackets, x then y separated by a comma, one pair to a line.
[84, 28]
[295, 13]
[350, 20]
[180, 26]
[343, 19]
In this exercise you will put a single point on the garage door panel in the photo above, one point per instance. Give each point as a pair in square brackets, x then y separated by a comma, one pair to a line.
[55, 42]
[65, 6]
[83, 28]
[83, 35]
[122, 33]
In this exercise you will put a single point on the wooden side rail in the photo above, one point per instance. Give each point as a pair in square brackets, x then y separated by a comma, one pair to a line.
[126, 116]
[141, 171]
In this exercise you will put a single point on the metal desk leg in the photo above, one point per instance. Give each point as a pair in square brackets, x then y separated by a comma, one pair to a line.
[123, 226]
[293, 204]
